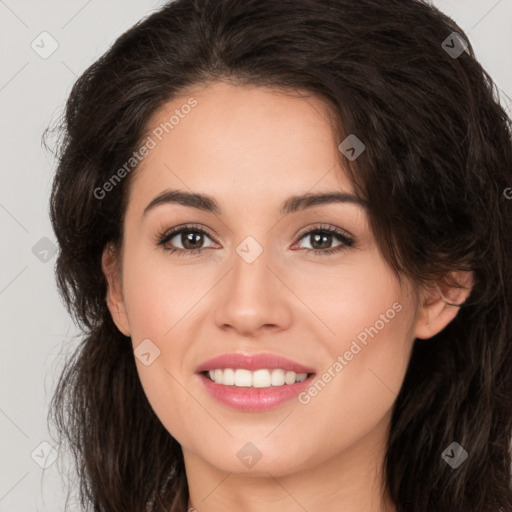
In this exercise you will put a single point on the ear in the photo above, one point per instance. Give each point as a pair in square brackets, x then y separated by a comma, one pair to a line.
[110, 263]
[440, 303]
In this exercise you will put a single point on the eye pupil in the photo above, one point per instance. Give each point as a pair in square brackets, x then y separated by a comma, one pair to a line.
[322, 239]
[188, 239]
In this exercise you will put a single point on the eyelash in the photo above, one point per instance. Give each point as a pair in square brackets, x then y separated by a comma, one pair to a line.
[347, 240]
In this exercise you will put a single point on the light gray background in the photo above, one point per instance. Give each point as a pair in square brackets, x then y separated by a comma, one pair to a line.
[35, 331]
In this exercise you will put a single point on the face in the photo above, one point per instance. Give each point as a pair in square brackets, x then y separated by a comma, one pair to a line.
[296, 290]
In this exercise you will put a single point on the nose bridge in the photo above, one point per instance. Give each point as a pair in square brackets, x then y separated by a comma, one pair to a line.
[252, 295]
[251, 266]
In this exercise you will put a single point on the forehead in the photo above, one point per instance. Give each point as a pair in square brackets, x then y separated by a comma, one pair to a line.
[258, 141]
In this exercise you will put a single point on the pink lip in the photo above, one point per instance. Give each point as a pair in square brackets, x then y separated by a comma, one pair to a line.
[254, 399]
[253, 362]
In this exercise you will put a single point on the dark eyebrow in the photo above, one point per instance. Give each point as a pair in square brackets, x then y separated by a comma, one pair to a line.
[198, 201]
[291, 205]
[296, 203]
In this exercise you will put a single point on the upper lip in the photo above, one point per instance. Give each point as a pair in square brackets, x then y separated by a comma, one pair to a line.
[253, 362]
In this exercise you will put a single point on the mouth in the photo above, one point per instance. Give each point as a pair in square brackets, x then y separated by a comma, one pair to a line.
[254, 382]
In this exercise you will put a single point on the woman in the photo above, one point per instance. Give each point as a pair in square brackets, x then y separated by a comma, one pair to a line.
[284, 230]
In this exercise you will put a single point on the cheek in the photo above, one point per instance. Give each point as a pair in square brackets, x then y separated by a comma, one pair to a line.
[352, 300]
[170, 401]
[359, 385]
[157, 294]
[160, 301]
[367, 321]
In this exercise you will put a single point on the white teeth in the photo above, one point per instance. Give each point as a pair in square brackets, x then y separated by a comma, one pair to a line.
[263, 378]
[277, 378]
[228, 377]
[289, 378]
[242, 377]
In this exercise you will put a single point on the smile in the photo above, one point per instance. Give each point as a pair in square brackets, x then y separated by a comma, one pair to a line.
[254, 383]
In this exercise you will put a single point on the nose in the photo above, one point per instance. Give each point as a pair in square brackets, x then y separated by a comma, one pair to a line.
[253, 297]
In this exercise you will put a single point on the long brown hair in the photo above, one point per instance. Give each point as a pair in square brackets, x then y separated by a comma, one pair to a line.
[437, 163]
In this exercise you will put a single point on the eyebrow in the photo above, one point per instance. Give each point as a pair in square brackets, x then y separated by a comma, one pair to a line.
[293, 204]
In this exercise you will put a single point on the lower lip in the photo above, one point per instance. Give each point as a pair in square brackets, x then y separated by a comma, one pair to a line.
[254, 399]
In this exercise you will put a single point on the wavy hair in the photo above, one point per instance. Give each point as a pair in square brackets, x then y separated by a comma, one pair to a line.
[437, 165]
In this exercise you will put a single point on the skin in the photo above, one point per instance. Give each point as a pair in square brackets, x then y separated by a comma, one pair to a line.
[251, 148]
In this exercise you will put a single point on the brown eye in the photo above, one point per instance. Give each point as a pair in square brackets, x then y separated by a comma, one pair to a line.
[186, 240]
[191, 239]
[321, 240]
